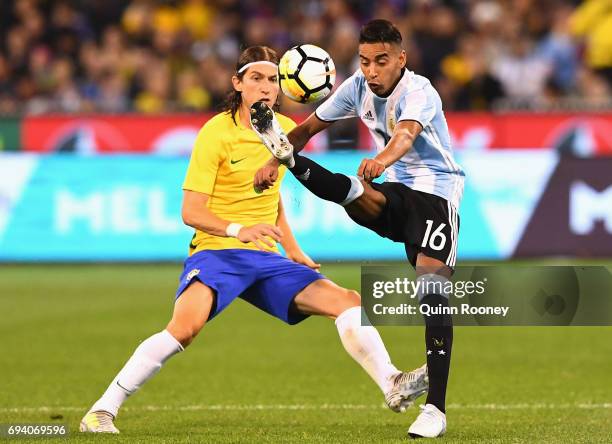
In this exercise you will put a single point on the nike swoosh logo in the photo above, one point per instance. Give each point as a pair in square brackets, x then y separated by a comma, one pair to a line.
[236, 161]
[128, 391]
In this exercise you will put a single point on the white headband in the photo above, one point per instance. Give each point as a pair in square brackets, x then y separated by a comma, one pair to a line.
[265, 62]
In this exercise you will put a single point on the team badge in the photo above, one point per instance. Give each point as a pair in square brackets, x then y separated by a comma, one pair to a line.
[193, 273]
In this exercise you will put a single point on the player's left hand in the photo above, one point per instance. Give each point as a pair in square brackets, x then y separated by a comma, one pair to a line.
[370, 169]
[302, 258]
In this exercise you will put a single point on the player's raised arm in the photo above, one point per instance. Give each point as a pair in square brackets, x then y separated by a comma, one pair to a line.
[301, 134]
[340, 105]
[403, 137]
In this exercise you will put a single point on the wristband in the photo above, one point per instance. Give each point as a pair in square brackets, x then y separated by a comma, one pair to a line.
[233, 229]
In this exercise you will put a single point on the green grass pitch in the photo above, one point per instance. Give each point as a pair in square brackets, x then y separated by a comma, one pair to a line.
[66, 330]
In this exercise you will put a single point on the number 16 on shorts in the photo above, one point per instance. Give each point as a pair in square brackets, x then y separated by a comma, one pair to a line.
[440, 240]
[437, 239]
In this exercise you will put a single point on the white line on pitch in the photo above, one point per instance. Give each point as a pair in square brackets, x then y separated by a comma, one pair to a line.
[246, 407]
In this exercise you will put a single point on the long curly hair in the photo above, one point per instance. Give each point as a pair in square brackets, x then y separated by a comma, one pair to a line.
[251, 54]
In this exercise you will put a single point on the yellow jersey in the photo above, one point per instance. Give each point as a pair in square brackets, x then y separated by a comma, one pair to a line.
[224, 160]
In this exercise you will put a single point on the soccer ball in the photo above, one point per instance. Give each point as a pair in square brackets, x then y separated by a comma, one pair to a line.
[307, 73]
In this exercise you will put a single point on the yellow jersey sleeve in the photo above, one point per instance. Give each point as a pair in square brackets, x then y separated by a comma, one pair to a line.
[207, 155]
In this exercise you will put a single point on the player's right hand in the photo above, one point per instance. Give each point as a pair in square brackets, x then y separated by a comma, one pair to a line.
[265, 177]
[260, 235]
[370, 169]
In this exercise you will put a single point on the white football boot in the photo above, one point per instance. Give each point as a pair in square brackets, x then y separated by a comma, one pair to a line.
[407, 387]
[265, 124]
[98, 422]
[430, 423]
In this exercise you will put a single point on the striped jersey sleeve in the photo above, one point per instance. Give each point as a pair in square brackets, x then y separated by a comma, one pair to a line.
[417, 105]
[341, 104]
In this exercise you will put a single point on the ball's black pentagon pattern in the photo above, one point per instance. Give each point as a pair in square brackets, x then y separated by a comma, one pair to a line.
[296, 74]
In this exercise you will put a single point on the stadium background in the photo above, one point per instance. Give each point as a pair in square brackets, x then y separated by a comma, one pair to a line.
[99, 104]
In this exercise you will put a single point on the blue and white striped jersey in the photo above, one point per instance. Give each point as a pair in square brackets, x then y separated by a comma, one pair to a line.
[429, 165]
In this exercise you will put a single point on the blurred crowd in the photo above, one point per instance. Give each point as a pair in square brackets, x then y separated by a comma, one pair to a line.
[154, 56]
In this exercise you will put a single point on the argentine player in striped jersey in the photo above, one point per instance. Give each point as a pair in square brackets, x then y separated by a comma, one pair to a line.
[416, 205]
[233, 254]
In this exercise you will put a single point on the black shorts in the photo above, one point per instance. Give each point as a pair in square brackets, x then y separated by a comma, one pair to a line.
[423, 222]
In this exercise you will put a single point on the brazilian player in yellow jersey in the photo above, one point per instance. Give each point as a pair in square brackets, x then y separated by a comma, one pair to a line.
[234, 255]
[224, 155]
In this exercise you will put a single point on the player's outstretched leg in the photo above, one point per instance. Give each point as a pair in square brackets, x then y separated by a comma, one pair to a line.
[334, 187]
[365, 346]
[363, 342]
[431, 422]
[146, 361]
[190, 313]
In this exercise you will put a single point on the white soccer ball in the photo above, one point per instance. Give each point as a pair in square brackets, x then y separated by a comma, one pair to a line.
[307, 73]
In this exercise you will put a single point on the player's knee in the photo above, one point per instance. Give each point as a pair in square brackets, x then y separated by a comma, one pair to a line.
[345, 300]
[353, 298]
[433, 293]
[184, 332]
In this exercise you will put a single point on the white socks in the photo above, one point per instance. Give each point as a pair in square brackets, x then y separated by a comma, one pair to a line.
[146, 361]
[355, 191]
[366, 347]
[363, 343]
